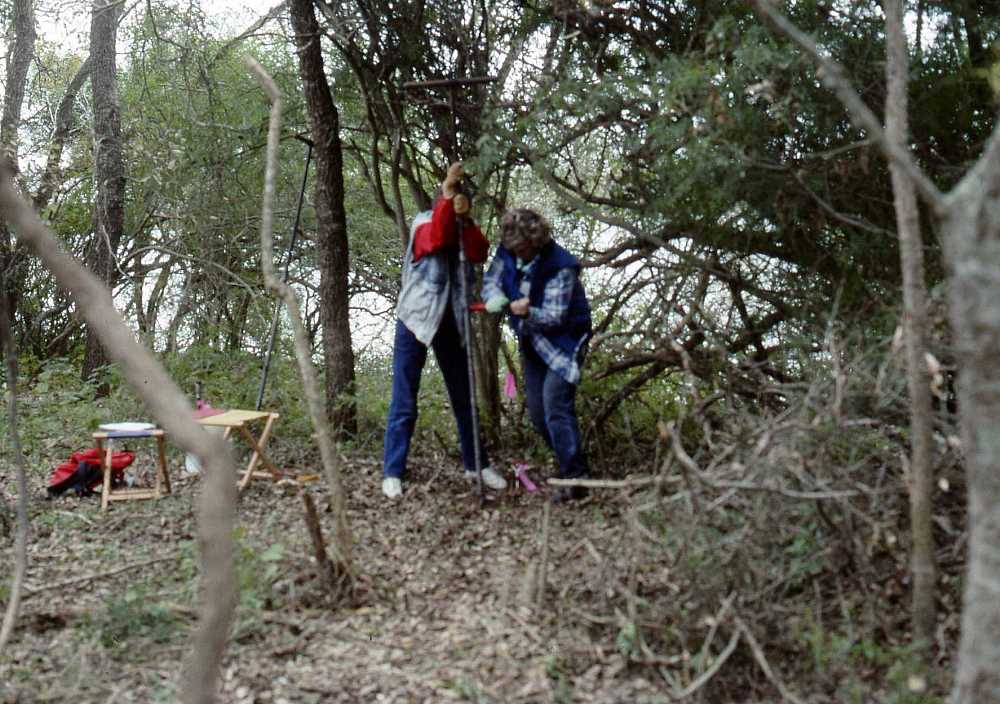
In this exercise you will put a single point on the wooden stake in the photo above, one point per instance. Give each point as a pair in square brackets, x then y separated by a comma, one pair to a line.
[326, 567]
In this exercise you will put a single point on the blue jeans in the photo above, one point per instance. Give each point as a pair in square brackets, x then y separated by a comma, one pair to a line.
[551, 402]
[408, 358]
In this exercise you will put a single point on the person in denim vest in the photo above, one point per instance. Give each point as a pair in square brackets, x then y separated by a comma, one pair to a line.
[539, 283]
[429, 315]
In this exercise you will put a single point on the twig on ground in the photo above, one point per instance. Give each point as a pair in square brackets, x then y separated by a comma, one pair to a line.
[727, 603]
[76, 581]
[615, 483]
[708, 674]
[758, 654]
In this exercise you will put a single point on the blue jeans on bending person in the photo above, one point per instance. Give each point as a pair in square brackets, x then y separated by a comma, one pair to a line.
[408, 358]
[551, 402]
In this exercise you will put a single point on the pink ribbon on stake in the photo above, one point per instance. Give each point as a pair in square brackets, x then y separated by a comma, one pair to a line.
[510, 386]
[521, 469]
[521, 472]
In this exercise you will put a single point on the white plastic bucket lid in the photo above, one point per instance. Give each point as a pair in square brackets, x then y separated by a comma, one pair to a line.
[127, 427]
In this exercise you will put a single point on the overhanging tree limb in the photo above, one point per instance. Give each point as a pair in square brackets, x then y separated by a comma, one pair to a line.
[833, 75]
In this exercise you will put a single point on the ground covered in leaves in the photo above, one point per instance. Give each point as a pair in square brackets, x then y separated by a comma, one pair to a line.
[748, 559]
[447, 606]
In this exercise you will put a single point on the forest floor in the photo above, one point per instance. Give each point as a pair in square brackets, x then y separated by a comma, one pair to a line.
[446, 607]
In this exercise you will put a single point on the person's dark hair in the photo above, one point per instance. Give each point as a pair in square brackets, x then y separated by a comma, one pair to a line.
[523, 225]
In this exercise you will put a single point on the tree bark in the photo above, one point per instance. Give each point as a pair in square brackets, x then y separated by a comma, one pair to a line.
[18, 63]
[109, 209]
[331, 221]
[487, 375]
[921, 482]
[972, 228]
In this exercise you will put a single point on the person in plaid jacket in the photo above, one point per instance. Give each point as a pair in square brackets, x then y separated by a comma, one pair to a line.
[538, 282]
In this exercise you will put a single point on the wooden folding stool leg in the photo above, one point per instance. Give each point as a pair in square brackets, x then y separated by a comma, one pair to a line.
[235, 421]
[261, 443]
[162, 473]
[259, 456]
[105, 460]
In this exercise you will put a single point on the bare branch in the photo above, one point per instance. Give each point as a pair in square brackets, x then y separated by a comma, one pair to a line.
[21, 536]
[331, 462]
[169, 407]
[249, 31]
[87, 578]
[758, 654]
[65, 118]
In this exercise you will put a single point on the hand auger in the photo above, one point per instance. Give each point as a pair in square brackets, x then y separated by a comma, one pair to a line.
[470, 359]
[452, 85]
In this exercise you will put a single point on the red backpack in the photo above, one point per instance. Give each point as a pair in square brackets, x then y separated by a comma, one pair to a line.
[82, 472]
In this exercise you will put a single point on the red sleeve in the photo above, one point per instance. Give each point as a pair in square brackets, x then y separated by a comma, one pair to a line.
[439, 233]
[476, 245]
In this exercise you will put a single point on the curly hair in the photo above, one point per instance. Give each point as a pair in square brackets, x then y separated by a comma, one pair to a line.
[523, 225]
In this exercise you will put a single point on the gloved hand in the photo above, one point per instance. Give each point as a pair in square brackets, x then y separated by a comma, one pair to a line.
[496, 304]
[452, 183]
[461, 204]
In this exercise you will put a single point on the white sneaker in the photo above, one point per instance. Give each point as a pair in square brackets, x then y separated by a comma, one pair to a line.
[490, 478]
[392, 487]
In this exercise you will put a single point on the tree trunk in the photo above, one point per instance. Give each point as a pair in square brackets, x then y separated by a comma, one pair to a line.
[109, 210]
[18, 63]
[331, 220]
[915, 323]
[972, 226]
[152, 313]
[237, 321]
[183, 309]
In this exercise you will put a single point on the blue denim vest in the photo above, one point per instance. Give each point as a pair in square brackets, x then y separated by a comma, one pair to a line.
[550, 260]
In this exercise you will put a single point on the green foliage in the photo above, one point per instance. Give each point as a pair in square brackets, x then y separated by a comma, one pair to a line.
[847, 662]
[627, 640]
[257, 571]
[134, 617]
[373, 393]
[561, 680]
[57, 412]
[468, 690]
